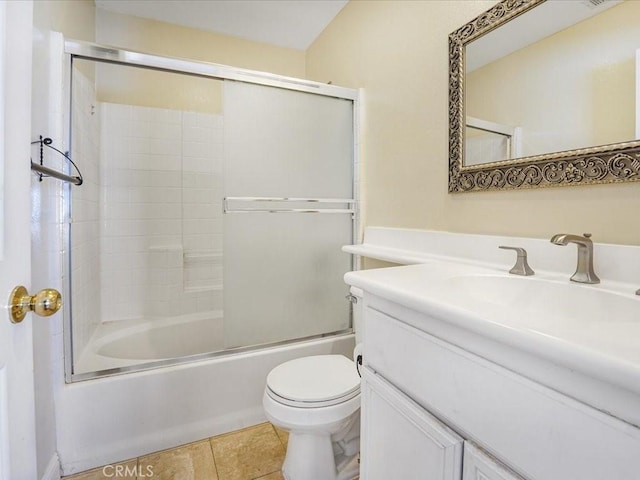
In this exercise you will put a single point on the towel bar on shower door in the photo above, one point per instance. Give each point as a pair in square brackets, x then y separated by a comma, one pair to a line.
[229, 209]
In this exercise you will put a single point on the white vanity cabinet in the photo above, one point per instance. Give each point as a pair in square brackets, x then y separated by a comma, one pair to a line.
[402, 440]
[429, 407]
[478, 465]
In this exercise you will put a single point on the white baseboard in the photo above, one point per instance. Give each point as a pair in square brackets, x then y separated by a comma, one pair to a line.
[53, 469]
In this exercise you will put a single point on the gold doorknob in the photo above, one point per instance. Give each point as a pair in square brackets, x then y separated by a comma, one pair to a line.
[44, 303]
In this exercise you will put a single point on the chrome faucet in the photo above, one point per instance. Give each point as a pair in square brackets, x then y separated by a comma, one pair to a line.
[522, 266]
[584, 271]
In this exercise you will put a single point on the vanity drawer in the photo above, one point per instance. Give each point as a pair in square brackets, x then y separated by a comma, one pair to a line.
[536, 431]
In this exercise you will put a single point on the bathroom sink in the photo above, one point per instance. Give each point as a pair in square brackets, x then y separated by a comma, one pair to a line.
[590, 316]
[581, 340]
[545, 314]
[555, 298]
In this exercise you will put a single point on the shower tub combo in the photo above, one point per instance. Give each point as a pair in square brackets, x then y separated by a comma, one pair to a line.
[185, 288]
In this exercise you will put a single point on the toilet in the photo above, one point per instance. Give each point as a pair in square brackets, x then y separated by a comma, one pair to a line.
[317, 400]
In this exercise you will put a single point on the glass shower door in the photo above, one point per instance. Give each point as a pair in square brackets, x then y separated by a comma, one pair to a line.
[288, 187]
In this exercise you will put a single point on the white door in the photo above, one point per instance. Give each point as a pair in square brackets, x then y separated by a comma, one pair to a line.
[17, 416]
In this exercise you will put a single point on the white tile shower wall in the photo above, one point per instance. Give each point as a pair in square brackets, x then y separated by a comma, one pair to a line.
[203, 138]
[85, 245]
[140, 203]
[161, 212]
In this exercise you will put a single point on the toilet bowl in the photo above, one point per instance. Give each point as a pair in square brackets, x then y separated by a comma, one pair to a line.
[317, 400]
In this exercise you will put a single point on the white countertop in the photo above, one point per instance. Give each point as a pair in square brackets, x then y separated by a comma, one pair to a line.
[591, 329]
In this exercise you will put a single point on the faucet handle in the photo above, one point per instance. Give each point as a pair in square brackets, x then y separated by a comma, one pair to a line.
[522, 266]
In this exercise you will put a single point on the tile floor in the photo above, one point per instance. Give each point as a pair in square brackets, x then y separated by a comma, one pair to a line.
[249, 454]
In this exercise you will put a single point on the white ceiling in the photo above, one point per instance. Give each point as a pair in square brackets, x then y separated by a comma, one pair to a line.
[286, 23]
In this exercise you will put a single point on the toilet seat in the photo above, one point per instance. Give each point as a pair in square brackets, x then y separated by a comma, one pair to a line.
[315, 381]
[326, 403]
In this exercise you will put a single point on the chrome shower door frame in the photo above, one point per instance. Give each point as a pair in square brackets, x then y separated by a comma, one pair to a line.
[75, 49]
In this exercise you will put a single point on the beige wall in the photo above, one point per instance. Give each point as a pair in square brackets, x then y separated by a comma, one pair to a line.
[74, 18]
[397, 52]
[152, 88]
[80, 20]
[139, 87]
[584, 74]
[175, 41]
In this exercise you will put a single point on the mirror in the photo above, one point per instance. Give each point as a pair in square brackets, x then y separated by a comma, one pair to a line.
[543, 93]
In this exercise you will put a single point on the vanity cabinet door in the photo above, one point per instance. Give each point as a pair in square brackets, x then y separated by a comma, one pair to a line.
[402, 440]
[480, 466]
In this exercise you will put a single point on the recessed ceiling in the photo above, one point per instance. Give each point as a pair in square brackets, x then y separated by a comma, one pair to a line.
[285, 23]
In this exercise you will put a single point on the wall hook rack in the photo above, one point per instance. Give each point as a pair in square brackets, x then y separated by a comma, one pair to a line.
[49, 172]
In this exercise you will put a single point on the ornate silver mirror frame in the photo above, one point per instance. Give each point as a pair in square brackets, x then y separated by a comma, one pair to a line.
[613, 163]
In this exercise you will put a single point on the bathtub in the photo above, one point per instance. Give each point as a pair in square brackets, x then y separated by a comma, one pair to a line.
[119, 417]
[142, 342]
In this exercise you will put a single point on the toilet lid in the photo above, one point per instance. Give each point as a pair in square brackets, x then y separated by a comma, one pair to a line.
[317, 378]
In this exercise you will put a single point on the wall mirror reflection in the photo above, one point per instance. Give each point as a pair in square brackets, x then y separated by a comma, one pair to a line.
[539, 81]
